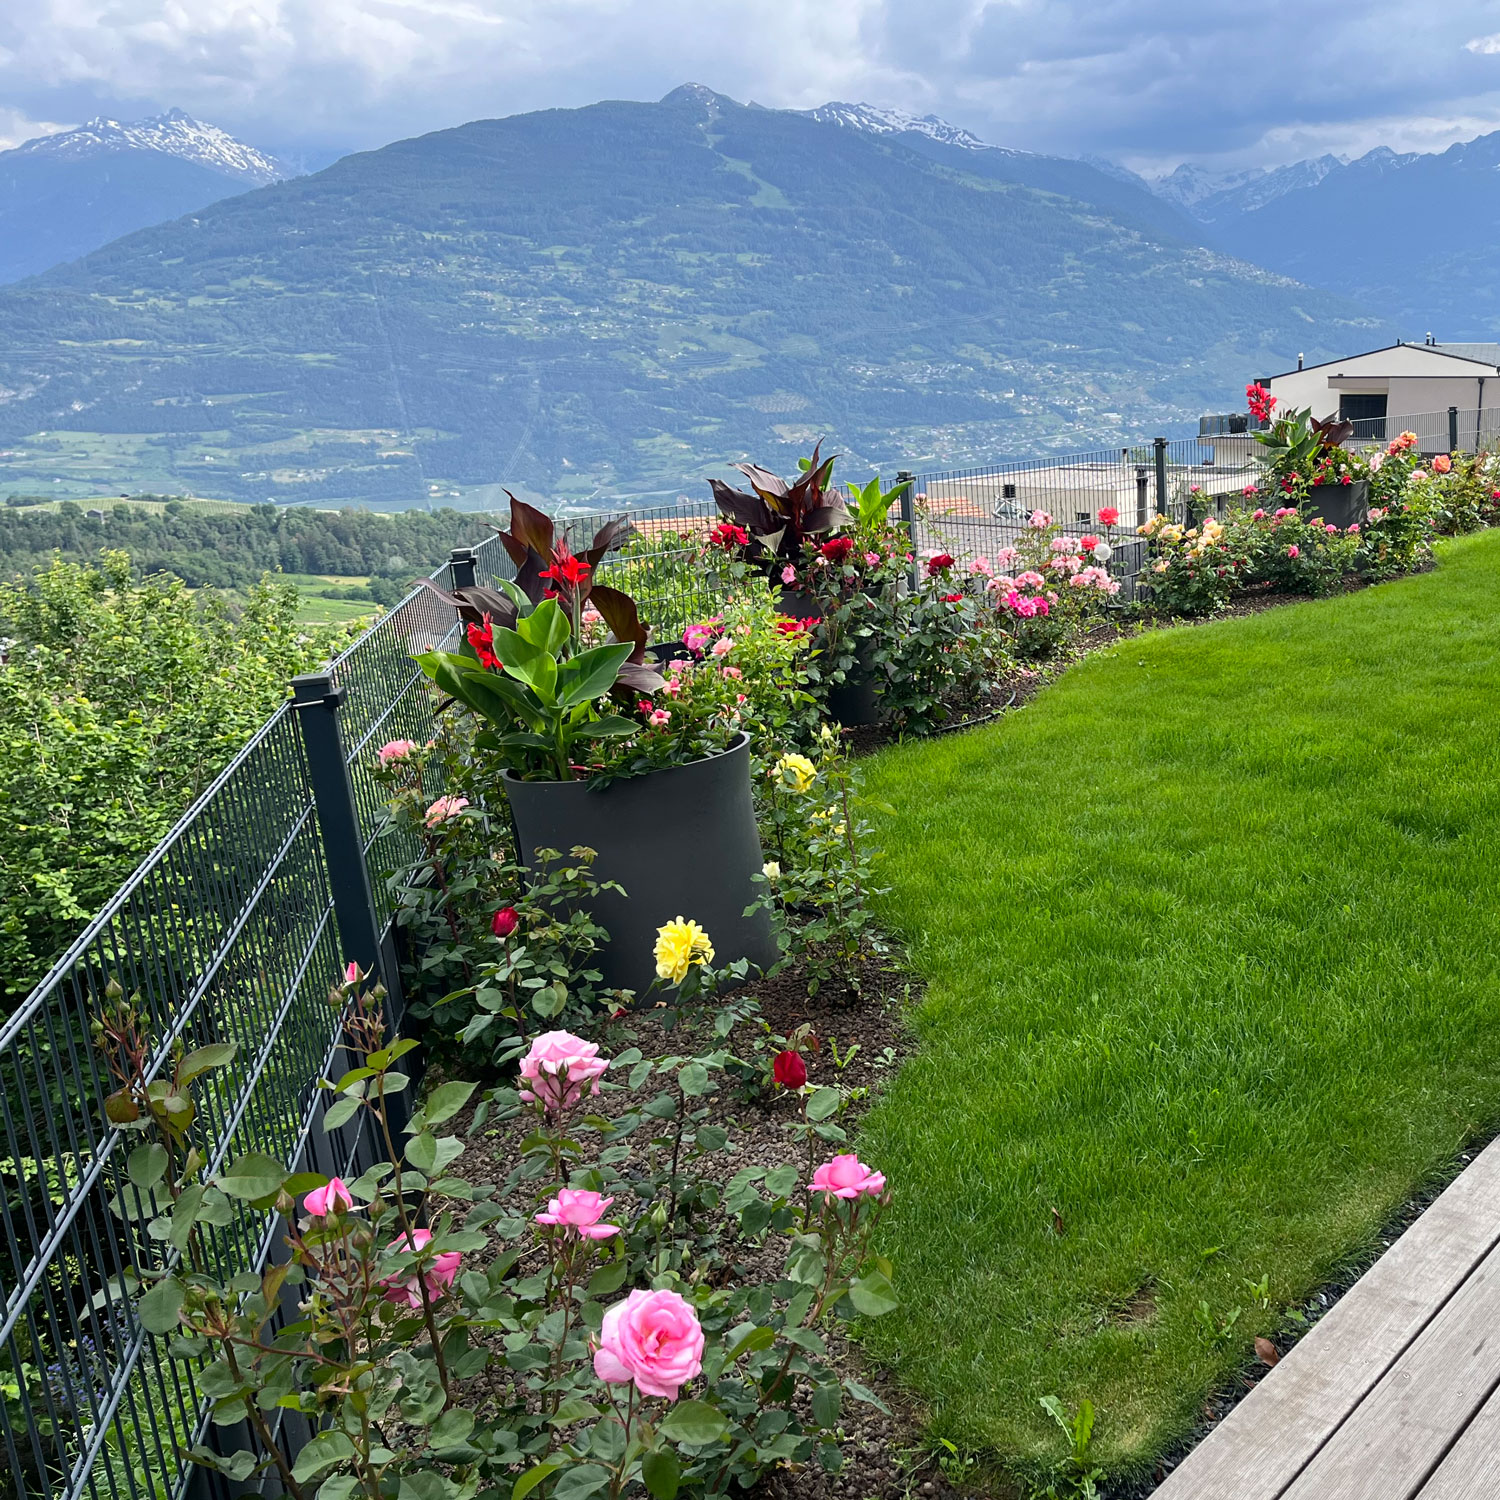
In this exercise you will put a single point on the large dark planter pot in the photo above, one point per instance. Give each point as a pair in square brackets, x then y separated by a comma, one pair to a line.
[1339, 505]
[681, 841]
[855, 702]
[799, 606]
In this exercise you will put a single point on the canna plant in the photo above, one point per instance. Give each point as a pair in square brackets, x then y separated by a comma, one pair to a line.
[538, 690]
[780, 518]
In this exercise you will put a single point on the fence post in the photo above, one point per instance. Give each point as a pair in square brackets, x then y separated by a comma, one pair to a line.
[908, 482]
[461, 568]
[1140, 495]
[1452, 430]
[317, 701]
[1161, 475]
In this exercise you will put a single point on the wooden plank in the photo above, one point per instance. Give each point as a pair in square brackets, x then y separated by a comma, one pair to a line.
[1403, 1429]
[1471, 1471]
[1266, 1441]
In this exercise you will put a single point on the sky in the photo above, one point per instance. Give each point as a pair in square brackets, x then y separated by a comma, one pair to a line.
[1149, 83]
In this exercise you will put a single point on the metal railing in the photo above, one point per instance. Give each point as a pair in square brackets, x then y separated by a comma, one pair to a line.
[231, 930]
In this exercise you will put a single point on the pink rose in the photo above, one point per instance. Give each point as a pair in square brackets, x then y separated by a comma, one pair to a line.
[580, 1210]
[652, 1338]
[395, 750]
[1331, 529]
[789, 574]
[1258, 515]
[847, 1177]
[1354, 529]
[1040, 520]
[558, 1067]
[335, 1198]
[1249, 489]
[351, 972]
[723, 646]
[438, 1276]
[1294, 551]
[445, 808]
[733, 674]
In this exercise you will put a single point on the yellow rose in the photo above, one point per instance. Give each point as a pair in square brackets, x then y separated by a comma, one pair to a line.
[679, 945]
[796, 771]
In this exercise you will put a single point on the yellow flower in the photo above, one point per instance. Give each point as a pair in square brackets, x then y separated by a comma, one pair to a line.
[679, 945]
[771, 870]
[796, 771]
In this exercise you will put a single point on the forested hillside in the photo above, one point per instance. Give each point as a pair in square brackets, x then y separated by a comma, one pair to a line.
[624, 296]
[232, 549]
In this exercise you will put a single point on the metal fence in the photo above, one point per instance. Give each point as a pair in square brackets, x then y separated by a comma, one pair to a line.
[232, 930]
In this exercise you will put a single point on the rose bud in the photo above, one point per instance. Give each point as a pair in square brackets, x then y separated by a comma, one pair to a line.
[506, 921]
[789, 1070]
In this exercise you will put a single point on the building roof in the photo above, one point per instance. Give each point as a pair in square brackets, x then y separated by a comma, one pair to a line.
[1476, 354]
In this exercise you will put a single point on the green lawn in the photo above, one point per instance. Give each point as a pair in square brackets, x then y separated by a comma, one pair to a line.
[1210, 932]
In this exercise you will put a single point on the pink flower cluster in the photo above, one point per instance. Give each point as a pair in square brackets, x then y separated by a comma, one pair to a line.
[697, 638]
[558, 1069]
[437, 1278]
[1095, 578]
[395, 750]
[445, 808]
[1040, 520]
[1025, 606]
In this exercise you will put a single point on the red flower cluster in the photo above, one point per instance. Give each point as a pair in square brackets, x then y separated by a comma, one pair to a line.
[567, 571]
[726, 535]
[1261, 402]
[785, 625]
[836, 549]
[482, 639]
[938, 564]
[1108, 515]
[789, 1070]
[953, 598]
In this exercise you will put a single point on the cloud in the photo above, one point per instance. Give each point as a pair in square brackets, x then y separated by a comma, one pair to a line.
[17, 127]
[1150, 82]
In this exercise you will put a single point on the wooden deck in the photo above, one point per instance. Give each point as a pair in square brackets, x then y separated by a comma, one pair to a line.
[1396, 1392]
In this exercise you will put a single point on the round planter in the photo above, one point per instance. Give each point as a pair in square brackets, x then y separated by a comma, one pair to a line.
[681, 841]
[799, 606]
[855, 701]
[1339, 505]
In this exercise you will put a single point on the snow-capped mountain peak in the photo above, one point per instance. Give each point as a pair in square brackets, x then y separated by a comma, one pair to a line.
[875, 120]
[172, 134]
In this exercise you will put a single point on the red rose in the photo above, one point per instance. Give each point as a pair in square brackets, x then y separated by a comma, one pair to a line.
[937, 564]
[726, 535]
[1108, 515]
[506, 920]
[953, 598]
[836, 549]
[789, 1070]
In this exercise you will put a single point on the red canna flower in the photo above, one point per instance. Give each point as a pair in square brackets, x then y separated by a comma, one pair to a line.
[482, 639]
[567, 571]
[789, 1070]
[505, 922]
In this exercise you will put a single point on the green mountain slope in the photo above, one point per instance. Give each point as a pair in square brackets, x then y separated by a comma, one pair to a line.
[623, 296]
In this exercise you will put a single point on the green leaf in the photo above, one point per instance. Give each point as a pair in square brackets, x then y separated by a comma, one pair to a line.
[446, 1101]
[147, 1165]
[864, 1394]
[339, 1487]
[611, 727]
[694, 1422]
[236, 1465]
[591, 674]
[823, 1103]
[205, 1059]
[608, 1279]
[873, 1295]
[827, 1405]
[581, 1481]
[546, 627]
[748, 1339]
[693, 1079]
[430, 1154]
[528, 661]
[251, 1177]
[662, 1473]
[321, 1454]
[533, 1477]
[158, 1309]
[341, 1111]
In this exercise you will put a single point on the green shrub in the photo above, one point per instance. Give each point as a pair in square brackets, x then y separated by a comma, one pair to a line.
[120, 699]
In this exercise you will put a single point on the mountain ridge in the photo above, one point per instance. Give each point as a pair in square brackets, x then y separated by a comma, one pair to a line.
[626, 297]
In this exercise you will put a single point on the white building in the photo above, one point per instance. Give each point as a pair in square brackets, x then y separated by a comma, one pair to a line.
[1404, 387]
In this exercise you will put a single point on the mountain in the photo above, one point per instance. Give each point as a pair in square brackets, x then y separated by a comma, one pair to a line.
[64, 195]
[1191, 183]
[1411, 236]
[624, 297]
[1103, 185]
